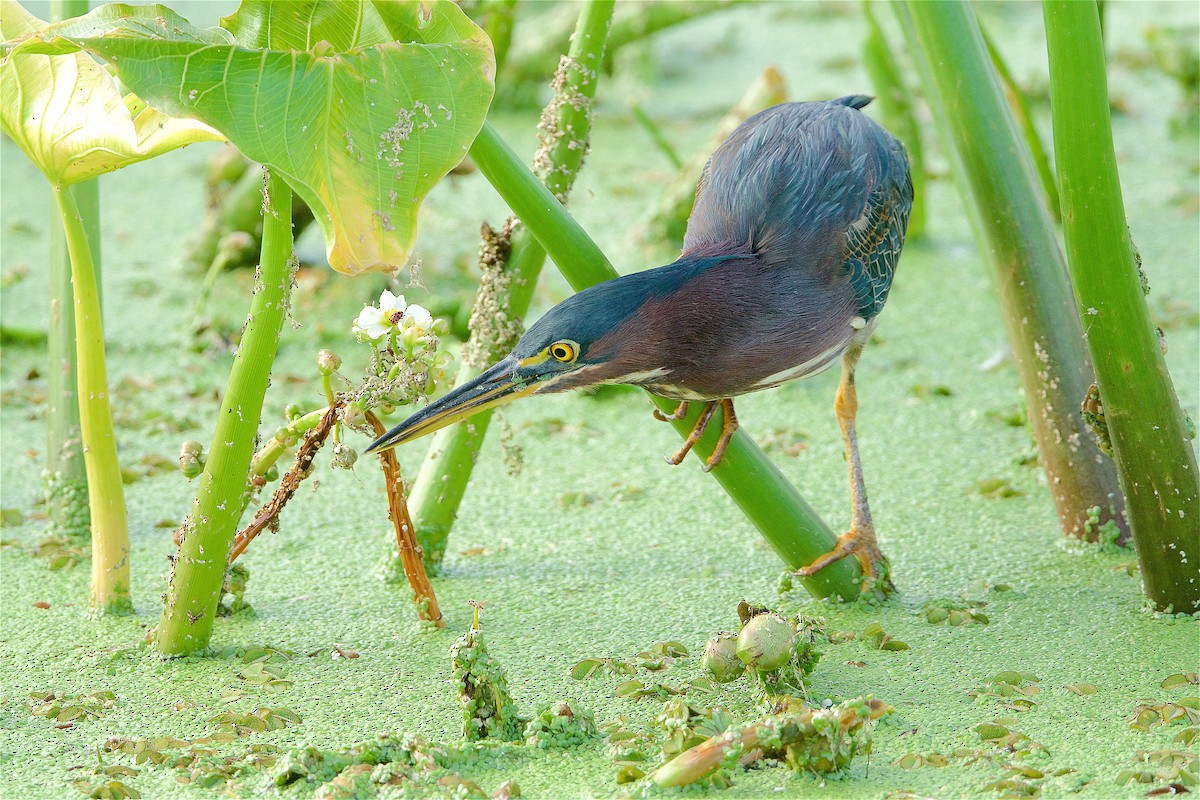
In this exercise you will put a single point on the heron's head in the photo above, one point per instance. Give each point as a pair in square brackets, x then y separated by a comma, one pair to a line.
[587, 339]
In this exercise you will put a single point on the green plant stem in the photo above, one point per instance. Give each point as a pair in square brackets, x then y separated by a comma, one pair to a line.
[783, 517]
[656, 134]
[642, 21]
[565, 127]
[106, 495]
[1019, 105]
[66, 474]
[284, 438]
[1154, 458]
[895, 104]
[199, 568]
[1018, 238]
[499, 19]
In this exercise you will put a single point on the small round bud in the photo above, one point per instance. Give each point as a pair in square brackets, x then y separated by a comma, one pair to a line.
[344, 456]
[328, 362]
[191, 459]
[720, 658]
[353, 414]
[440, 327]
[272, 473]
[411, 337]
[765, 642]
[292, 411]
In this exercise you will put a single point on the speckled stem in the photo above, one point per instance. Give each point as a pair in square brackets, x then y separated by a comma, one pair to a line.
[1017, 237]
[199, 568]
[779, 512]
[504, 298]
[406, 542]
[66, 475]
[106, 496]
[1155, 460]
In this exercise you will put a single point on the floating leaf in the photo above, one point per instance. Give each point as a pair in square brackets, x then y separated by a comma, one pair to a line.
[586, 668]
[1180, 679]
[997, 488]
[989, 731]
[362, 107]
[1081, 688]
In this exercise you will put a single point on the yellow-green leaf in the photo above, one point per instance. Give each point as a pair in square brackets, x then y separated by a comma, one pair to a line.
[69, 115]
[362, 107]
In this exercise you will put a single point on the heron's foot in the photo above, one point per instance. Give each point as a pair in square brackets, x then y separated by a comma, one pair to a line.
[729, 426]
[861, 543]
[697, 430]
[679, 413]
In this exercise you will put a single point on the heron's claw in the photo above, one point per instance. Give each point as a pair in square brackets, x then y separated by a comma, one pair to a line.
[861, 543]
[729, 425]
[679, 413]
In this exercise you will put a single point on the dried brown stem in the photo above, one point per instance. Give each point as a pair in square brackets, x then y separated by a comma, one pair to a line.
[410, 553]
[268, 515]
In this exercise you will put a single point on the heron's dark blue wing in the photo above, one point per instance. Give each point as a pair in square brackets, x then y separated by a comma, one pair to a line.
[817, 188]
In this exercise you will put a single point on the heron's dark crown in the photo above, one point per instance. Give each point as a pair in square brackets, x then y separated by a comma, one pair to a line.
[590, 315]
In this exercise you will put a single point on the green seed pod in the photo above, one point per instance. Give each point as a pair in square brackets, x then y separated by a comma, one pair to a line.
[344, 456]
[721, 658]
[191, 459]
[766, 641]
[328, 362]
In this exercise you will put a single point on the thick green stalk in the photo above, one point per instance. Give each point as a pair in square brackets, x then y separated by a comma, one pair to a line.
[106, 495]
[753, 481]
[1155, 460]
[896, 111]
[199, 567]
[66, 475]
[1024, 116]
[1018, 236]
[507, 290]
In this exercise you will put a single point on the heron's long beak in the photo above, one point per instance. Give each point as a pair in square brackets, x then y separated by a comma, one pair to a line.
[503, 383]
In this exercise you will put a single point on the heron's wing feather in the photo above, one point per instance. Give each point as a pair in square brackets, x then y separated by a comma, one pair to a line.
[816, 186]
[874, 240]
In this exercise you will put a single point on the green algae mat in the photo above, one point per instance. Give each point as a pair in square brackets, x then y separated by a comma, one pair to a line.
[1015, 664]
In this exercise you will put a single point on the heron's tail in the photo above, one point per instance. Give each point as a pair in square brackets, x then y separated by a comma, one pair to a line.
[854, 100]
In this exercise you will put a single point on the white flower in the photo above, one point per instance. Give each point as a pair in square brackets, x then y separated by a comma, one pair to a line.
[375, 323]
[418, 317]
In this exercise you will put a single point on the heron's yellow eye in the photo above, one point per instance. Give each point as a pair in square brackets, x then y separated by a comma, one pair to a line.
[564, 351]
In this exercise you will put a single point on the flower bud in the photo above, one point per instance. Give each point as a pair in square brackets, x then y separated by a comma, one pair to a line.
[292, 411]
[191, 459]
[344, 456]
[353, 414]
[720, 658]
[328, 362]
[440, 327]
[765, 642]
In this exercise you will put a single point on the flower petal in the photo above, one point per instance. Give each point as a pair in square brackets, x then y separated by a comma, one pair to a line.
[391, 302]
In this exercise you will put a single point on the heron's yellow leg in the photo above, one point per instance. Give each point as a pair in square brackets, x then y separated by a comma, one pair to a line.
[729, 425]
[860, 540]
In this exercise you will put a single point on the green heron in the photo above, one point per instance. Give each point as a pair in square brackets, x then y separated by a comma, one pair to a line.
[789, 254]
